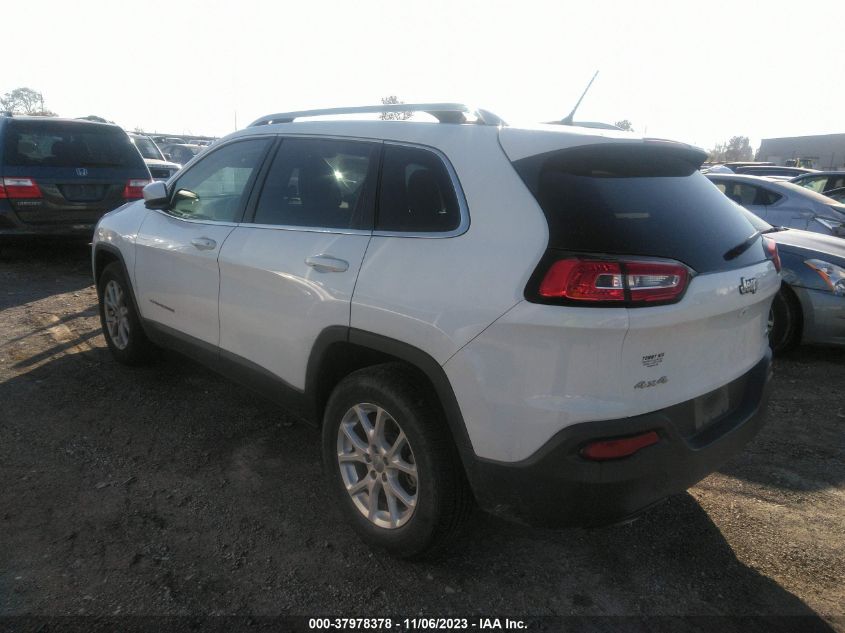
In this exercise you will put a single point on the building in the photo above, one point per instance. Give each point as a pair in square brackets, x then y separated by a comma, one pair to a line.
[822, 151]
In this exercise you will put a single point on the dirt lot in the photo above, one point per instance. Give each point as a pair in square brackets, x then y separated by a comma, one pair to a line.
[167, 490]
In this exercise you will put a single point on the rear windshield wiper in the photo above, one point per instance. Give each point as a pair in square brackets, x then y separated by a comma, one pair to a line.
[743, 246]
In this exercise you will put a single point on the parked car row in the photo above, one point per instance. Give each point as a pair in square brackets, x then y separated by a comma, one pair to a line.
[808, 228]
[783, 203]
[160, 169]
[59, 176]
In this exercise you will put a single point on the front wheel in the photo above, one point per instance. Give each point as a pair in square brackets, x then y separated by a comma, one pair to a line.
[121, 325]
[392, 464]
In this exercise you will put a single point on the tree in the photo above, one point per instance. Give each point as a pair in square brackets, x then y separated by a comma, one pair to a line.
[394, 116]
[24, 101]
[625, 124]
[738, 148]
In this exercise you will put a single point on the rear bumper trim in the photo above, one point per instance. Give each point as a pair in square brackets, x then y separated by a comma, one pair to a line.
[557, 487]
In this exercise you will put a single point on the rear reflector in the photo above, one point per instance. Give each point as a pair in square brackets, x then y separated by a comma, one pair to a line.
[771, 248]
[599, 280]
[604, 450]
[17, 188]
[134, 189]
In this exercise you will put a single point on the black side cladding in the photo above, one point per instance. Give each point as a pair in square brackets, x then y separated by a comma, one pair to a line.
[643, 199]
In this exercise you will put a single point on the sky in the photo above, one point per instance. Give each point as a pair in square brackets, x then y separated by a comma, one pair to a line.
[695, 71]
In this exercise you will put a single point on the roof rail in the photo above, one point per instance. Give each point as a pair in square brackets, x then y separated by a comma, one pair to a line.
[443, 112]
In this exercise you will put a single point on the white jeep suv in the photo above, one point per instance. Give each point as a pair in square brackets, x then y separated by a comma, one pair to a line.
[562, 325]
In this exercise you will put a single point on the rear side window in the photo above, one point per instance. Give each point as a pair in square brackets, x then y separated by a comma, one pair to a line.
[320, 183]
[749, 195]
[637, 200]
[417, 195]
[68, 144]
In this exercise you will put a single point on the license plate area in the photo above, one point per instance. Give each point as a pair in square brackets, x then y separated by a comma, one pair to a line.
[83, 193]
[696, 415]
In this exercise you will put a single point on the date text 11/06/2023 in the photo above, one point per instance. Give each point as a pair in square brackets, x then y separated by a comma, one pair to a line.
[412, 624]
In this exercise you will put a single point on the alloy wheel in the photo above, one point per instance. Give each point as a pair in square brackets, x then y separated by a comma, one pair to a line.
[377, 466]
[117, 314]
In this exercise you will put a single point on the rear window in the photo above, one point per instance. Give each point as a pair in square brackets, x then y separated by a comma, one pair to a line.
[64, 144]
[637, 200]
[147, 148]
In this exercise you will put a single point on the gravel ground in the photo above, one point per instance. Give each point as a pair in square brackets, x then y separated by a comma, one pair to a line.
[168, 490]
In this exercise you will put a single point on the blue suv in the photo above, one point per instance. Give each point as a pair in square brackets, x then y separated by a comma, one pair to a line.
[59, 176]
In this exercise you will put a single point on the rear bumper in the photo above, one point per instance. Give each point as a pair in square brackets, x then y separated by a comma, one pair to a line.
[556, 487]
[11, 227]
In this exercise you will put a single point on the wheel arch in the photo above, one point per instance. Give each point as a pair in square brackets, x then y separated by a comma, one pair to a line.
[105, 254]
[338, 351]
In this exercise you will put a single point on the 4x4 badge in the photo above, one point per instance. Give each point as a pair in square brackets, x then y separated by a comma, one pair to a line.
[81, 171]
[747, 286]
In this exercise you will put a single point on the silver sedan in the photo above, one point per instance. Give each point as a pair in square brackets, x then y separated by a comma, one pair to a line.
[783, 203]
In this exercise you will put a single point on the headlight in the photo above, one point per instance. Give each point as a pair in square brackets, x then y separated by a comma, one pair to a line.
[833, 275]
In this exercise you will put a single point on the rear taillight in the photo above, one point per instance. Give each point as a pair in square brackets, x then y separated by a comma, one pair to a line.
[135, 188]
[771, 248]
[17, 188]
[603, 450]
[583, 280]
[591, 280]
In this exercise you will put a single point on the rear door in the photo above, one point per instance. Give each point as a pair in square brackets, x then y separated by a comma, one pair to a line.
[288, 273]
[176, 272]
[73, 171]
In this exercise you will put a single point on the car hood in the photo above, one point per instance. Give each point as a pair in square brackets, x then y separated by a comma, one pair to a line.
[797, 240]
[154, 162]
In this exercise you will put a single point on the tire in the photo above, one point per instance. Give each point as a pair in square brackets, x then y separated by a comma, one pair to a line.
[440, 496]
[784, 321]
[119, 318]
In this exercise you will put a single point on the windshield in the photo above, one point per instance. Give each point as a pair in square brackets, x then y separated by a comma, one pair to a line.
[147, 148]
[68, 144]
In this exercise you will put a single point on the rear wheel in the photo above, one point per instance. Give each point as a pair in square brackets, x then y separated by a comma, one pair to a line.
[119, 318]
[391, 462]
[784, 321]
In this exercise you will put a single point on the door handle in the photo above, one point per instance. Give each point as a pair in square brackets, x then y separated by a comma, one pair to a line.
[327, 264]
[204, 243]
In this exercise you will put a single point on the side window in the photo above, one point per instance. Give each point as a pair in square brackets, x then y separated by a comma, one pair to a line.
[767, 197]
[742, 194]
[417, 195]
[815, 184]
[320, 183]
[721, 187]
[835, 182]
[214, 188]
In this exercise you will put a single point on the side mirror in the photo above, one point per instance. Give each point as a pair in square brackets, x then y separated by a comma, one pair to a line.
[155, 195]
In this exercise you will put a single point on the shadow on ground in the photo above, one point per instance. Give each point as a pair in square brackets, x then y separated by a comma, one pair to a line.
[802, 446]
[49, 267]
[167, 490]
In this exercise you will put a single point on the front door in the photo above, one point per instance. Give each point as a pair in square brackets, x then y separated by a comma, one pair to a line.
[288, 272]
[177, 278]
